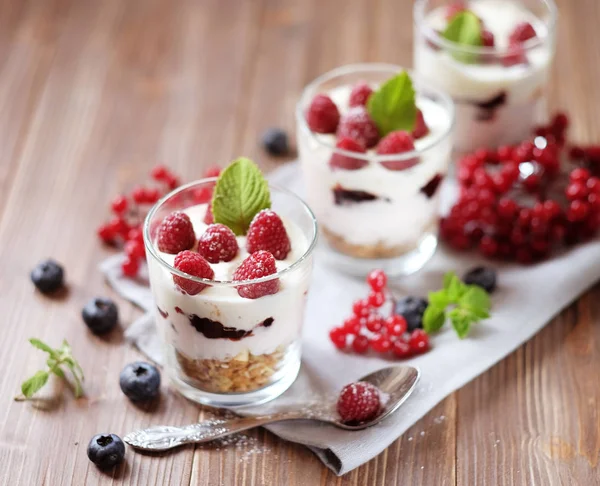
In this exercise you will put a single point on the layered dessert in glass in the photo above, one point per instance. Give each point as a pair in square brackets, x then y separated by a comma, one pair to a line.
[493, 58]
[230, 299]
[375, 146]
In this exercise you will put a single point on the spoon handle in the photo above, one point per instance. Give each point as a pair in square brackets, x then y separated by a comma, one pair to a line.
[164, 437]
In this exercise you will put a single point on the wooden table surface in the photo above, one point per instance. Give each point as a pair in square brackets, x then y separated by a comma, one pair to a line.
[93, 93]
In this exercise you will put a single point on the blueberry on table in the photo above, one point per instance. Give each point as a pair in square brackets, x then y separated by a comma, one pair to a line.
[483, 277]
[48, 276]
[275, 141]
[140, 381]
[106, 450]
[100, 315]
[412, 309]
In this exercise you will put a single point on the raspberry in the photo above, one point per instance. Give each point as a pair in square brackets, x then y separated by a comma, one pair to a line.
[340, 161]
[218, 244]
[193, 264]
[397, 143]
[514, 56]
[360, 94]
[377, 280]
[360, 344]
[208, 217]
[175, 233]
[487, 38]
[359, 402]
[203, 194]
[455, 8]
[267, 233]
[322, 115]
[258, 265]
[421, 129]
[213, 171]
[358, 125]
[419, 341]
[521, 33]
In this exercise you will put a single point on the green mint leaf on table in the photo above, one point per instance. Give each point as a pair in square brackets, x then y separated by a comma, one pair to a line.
[462, 304]
[393, 107]
[434, 318]
[464, 29]
[240, 192]
[57, 358]
[34, 384]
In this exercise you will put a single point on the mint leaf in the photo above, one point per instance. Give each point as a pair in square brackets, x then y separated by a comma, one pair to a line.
[433, 318]
[464, 29]
[454, 287]
[34, 384]
[439, 299]
[393, 107]
[43, 346]
[461, 321]
[477, 301]
[240, 192]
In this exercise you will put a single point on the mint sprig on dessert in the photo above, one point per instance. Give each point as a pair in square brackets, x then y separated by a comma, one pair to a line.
[58, 359]
[240, 193]
[393, 107]
[463, 305]
[464, 29]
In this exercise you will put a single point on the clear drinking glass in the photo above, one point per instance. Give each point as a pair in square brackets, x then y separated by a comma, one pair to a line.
[500, 91]
[222, 349]
[385, 214]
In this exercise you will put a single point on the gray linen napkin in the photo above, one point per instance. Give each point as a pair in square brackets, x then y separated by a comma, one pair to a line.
[527, 298]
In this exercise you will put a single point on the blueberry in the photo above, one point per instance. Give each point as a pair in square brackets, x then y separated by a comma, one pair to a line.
[100, 315]
[48, 276]
[484, 277]
[140, 381]
[106, 450]
[275, 141]
[412, 309]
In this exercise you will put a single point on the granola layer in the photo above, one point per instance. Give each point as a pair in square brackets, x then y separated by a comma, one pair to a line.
[243, 373]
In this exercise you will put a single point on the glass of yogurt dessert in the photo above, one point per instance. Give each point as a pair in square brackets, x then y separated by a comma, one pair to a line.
[230, 295]
[493, 58]
[375, 145]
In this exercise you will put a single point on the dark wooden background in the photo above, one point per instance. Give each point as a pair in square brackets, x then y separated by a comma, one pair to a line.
[93, 93]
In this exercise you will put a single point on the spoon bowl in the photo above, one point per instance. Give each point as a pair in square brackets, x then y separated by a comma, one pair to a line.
[396, 383]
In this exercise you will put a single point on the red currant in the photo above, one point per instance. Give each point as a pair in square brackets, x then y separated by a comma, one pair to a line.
[360, 308]
[152, 195]
[352, 325]
[159, 173]
[507, 209]
[488, 246]
[376, 299]
[106, 233]
[360, 344]
[419, 341]
[396, 325]
[338, 337]
[130, 266]
[135, 249]
[139, 195]
[119, 204]
[213, 171]
[579, 175]
[135, 234]
[374, 323]
[401, 349]
[576, 190]
[578, 210]
[381, 344]
[377, 280]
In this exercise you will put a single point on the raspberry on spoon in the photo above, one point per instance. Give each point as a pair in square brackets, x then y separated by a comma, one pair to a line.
[359, 402]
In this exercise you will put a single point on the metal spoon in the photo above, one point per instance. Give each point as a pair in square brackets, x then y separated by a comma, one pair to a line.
[395, 382]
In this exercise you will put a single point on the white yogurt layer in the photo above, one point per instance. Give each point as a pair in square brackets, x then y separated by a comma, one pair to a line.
[469, 83]
[223, 303]
[402, 214]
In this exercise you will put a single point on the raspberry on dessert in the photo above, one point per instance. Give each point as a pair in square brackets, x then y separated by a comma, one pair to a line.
[208, 217]
[193, 264]
[397, 143]
[360, 94]
[340, 161]
[268, 233]
[359, 402]
[521, 33]
[175, 233]
[357, 124]
[258, 265]
[421, 129]
[487, 38]
[455, 8]
[322, 115]
[514, 56]
[218, 244]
